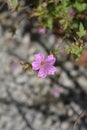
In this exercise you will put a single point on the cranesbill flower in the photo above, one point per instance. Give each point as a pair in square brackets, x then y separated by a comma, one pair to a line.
[44, 65]
[55, 91]
[71, 12]
[42, 30]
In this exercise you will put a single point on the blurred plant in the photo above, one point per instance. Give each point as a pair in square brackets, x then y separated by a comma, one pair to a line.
[65, 18]
[55, 91]
[26, 66]
[82, 31]
[75, 51]
[13, 4]
[42, 30]
[71, 12]
[80, 5]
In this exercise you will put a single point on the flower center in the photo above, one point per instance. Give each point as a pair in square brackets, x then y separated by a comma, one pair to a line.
[43, 64]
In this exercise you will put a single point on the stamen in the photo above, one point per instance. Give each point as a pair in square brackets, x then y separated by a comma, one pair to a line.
[43, 64]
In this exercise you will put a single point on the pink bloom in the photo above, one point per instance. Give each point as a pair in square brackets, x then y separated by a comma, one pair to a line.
[44, 65]
[71, 12]
[13, 64]
[55, 91]
[42, 30]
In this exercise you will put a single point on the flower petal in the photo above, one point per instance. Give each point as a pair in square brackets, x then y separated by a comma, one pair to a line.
[42, 30]
[35, 65]
[42, 73]
[55, 91]
[50, 59]
[51, 70]
[39, 57]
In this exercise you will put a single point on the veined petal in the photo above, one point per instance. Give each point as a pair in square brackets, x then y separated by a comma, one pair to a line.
[35, 65]
[50, 59]
[39, 57]
[42, 73]
[51, 70]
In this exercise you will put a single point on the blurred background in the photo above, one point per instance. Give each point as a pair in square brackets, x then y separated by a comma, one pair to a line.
[31, 103]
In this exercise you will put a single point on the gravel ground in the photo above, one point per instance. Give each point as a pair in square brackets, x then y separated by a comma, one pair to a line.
[26, 101]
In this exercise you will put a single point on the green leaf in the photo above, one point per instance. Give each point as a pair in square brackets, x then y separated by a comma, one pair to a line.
[26, 66]
[50, 23]
[64, 2]
[75, 51]
[81, 31]
[54, 52]
[15, 4]
[80, 6]
[74, 25]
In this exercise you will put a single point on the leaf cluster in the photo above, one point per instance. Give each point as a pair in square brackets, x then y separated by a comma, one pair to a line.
[75, 50]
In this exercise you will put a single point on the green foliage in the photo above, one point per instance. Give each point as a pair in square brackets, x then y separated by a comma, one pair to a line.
[15, 4]
[75, 50]
[60, 16]
[26, 66]
[49, 11]
[54, 52]
[80, 6]
[65, 2]
[81, 31]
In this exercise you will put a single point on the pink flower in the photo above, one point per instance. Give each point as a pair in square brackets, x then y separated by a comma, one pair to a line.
[44, 65]
[71, 12]
[13, 64]
[55, 91]
[42, 30]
